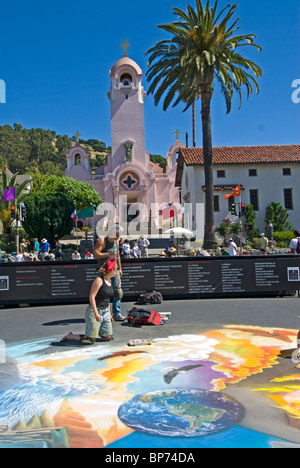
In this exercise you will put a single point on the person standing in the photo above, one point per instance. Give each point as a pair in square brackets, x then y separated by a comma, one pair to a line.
[121, 242]
[126, 249]
[295, 243]
[58, 251]
[233, 248]
[36, 248]
[106, 248]
[144, 244]
[135, 250]
[45, 248]
[263, 244]
[24, 246]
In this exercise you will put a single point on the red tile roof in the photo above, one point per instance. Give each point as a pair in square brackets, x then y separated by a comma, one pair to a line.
[245, 155]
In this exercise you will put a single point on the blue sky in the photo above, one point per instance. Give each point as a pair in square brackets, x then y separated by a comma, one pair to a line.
[55, 59]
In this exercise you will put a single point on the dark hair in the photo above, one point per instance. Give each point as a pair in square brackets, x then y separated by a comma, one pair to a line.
[102, 269]
[296, 233]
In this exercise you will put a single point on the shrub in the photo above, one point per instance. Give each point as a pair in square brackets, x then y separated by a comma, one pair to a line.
[283, 239]
[223, 229]
[255, 242]
[69, 247]
[278, 216]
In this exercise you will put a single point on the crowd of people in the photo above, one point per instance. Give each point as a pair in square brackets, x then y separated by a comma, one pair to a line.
[35, 252]
[139, 248]
[41, 252]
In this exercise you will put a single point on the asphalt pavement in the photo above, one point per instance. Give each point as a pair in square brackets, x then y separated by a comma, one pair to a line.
[19, 324]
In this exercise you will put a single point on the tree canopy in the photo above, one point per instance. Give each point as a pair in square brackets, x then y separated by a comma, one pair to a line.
[203, 49]
[48, 215]
[81, 194]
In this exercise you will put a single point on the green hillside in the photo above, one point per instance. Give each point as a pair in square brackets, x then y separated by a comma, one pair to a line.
[35, 150]
[31, 150]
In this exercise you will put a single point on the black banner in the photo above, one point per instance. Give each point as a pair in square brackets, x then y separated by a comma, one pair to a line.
[177, 277]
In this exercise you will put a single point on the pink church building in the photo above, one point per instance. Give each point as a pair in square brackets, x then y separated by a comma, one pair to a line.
[129, 181]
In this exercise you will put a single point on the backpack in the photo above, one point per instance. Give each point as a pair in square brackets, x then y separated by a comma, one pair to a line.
[138, 317]
[153, 297]
[298, 247]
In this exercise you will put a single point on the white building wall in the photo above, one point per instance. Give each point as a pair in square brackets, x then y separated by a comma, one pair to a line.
[270, 183]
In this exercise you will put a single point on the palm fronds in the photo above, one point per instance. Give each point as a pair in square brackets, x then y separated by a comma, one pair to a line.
[202, 49]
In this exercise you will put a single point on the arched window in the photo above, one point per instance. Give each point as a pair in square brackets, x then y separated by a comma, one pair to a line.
[126, 79]
[77, 159]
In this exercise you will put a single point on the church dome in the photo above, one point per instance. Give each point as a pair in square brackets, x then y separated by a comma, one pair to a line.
[123, 63]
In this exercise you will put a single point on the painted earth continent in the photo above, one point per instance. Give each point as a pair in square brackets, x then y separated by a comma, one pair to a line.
[181, 413]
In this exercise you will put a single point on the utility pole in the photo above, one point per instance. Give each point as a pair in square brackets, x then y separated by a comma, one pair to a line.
[241, 214]
[17, 229]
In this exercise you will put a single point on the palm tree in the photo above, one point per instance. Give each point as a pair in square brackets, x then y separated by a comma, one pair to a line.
[6, 183]
[202, 51]
[194, 123]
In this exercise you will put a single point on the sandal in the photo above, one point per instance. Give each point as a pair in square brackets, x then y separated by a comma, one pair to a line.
[86, 341]
[104, 338]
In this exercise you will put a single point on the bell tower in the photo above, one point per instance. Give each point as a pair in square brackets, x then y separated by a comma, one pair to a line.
[126, 97]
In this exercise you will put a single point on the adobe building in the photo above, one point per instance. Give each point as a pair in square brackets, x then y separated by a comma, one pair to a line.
[266, 174]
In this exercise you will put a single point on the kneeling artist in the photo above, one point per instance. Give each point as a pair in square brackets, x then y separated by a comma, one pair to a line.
[98, 316]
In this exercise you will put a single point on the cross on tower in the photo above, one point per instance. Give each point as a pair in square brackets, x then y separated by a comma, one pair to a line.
[125, 45]
[177, 133]
[76, 136]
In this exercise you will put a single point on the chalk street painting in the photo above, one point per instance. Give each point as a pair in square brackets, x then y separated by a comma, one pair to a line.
[182, 391]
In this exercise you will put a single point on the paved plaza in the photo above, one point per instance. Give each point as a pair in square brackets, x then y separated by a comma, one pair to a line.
[219, 373]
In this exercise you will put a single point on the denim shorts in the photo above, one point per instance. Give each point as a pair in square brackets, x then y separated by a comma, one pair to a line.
[93, 329]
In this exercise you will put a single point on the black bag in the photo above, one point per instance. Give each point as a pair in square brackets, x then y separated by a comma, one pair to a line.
[138, 317]
[153, 297]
